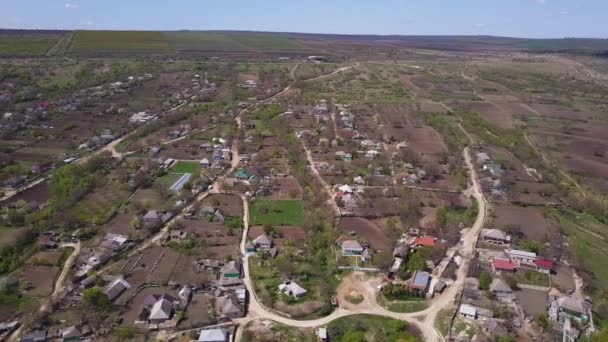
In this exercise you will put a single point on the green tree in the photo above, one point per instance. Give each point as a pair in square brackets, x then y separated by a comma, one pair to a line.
[96, 298]
[417, 261]
[485, 279]
[542, 321]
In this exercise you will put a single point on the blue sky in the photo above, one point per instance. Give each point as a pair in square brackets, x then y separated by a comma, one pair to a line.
[520, 18]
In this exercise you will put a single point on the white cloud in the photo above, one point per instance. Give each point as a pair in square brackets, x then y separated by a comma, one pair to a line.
[542, 2]
[564, 12]
[70, 5]
[90, 23]
[480, 25]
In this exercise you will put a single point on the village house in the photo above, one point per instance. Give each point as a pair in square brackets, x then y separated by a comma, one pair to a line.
[214, 335]
[114, 242]
[205, 163]
[231, 269]
[227, 307]
[420, 281]
[494, 329]
[47, 242]
[115, 288]
[322, 334]
[482, 157]
[519, 257]
[424, 241]
[74, 333]
[502, 290]
[495, 237]
[352, 248]
[572, 308]
[291, 288]
[473, 312]
[544, 266]
[35, 336]
[263, 242]
[162, 311]
[500, 264]
[467, 311]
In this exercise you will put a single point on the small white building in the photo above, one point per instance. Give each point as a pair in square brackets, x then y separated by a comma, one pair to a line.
[291, 288]
[467, 311]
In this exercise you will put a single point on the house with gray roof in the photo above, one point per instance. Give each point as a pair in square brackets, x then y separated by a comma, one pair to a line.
[231, 269]
[116, 287]
[213, 335]
[263, 242]
[228, 307]
[495, 237]
[291, 288]
[161, 311]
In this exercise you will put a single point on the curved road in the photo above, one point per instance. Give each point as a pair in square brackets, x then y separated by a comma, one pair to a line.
[424, 320]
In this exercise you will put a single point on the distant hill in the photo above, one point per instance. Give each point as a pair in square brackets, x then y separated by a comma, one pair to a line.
[120, 43]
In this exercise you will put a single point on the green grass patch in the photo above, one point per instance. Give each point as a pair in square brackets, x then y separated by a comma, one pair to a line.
[119, 42]
[370, 328]
[411, 305]
[277, 213]
[185, 167]
[354, 299]
[588, 242]
[530, 277]
[99, 206]
[26, 46]
[447, 126]
[168, 179]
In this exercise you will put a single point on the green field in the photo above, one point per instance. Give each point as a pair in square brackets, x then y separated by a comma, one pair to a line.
[119, 42]
[588, 242]
[277, 213]
[203, 41]
[98, 207]
[168, 42]
[185, 167]
[26, 46]
[266, 42]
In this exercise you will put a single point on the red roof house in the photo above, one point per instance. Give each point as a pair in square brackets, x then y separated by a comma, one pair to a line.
[544, 265]
[428, 241]
[502, 265]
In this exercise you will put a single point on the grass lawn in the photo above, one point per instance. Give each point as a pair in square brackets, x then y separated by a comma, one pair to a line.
[9, 235]
[98, 206]
[168, 179]
[277, 213]
[370, 328]
[532, 278]
[413, 305]
[442, 323]
[185, 167]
